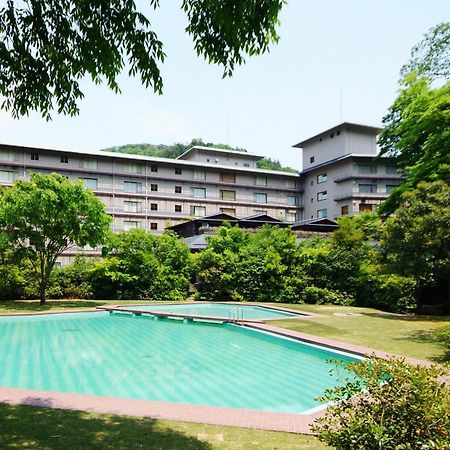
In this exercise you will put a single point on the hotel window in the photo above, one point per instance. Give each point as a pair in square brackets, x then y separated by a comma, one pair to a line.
[260, 180]
[198, 192]
[311, 160]
[260, 198]
[229, 211]
[133, 207]
[392, 170]
[390, 187]
[6, 155]
[177, 208]
[131, 167]
[154, 206]
[344, 210]
[228, 177]
[322, 178]
[365, 208]
[153, 226]
[154, 168]
[291, 200]
[260, 211]
[199, 174]
[246, 165]
[198, 211]
[90, 183]
[89, 164]
[6, 176]
[321, 213]
[368, 188]
[178, 190]
[291, 184]
[154, 187]
[291, 216]
[322, 196]
[34, 156]
[228, 195]
[132, 186]
[64, 159]
[178, 171]
[367, 168]
[130, 224]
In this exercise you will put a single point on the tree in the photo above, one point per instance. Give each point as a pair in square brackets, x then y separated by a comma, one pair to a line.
[416, 241]
[47, 215]
[416, 130]
[46, 47]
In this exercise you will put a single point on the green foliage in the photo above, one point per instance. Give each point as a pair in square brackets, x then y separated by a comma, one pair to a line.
[47, 47]
[323, 296]
[47, 215]
[416, 241]
[390, 405]
[273, 164]
[139, 265]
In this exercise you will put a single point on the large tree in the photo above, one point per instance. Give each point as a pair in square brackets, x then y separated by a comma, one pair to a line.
[417, 127]
[47, 215]
[47, 46]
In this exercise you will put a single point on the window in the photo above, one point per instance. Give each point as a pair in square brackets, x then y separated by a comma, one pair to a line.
[133, 207]
[246, 165]
[178, 171]
[365, 208]
[6, 176]
[130, 224]
[312, 200]
[291, 200]
[6, 155]
[228, 177]
[312, 182]
[331, 135]
[260, 198]
[153, 226]
[154, 187]
[177, 208]
[311, 160]
[392, 170]
[178, 190]
[338, 132]
[230, 211]
[198, 211]
[291, 216]
[228, 195]
[367, 188]
[322, 178]
[344, 210]
[131, 167]
[260, 211]
[390, 187]
[199, 174]
[89, 164]
[132, 186]
[291, 184]
[367, 168]
[154, 168]
[34, 157]
[260, 180]
[64, 159]
[321, 213]
[198, 192]
[90, 183]
[322, 196]
[154, 206]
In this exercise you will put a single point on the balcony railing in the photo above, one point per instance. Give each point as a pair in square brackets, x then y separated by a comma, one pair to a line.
[355, 193]
[367, 176]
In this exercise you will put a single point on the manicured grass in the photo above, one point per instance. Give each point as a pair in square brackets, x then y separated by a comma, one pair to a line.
[405, 335]
[27, 427]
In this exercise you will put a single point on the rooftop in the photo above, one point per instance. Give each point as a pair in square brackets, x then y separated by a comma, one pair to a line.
[200, 148]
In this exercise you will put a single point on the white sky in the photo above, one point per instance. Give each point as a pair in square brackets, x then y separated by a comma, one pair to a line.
[336, 61]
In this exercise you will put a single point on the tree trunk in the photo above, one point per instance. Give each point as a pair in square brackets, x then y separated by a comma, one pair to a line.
[42, 287]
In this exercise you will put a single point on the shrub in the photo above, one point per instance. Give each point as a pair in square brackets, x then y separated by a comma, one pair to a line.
[322, 296]
[390, 405]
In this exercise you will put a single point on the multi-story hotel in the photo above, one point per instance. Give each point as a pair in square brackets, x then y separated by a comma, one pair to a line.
[340, 176]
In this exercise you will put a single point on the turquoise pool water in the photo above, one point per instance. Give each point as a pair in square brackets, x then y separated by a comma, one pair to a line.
[165, 360]
[218, 310]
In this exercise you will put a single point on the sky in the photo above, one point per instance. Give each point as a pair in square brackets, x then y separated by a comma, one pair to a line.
[336, 61]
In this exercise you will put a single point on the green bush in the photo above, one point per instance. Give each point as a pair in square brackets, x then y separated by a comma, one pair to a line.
[390, 405]
[323, 296]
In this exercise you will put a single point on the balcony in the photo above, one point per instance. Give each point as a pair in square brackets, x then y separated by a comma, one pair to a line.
[367, 176]
[356, 194]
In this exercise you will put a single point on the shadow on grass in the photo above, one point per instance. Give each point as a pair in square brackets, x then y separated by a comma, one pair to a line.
[431, 337]
[33, 305]
[408, 317]
[36, 428]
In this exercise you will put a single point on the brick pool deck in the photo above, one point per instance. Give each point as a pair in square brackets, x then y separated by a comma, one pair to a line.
[287, 422]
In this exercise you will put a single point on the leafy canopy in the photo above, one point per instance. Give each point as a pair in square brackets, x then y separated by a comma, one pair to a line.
[46, 47]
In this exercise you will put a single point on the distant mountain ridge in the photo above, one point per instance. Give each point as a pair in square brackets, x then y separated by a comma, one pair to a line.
[175, 150]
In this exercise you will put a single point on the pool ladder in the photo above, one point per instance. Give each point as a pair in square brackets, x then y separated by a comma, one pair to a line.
[236, 315]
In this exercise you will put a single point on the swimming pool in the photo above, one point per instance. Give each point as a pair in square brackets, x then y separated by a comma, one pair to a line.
[218, 310]
[170, 361]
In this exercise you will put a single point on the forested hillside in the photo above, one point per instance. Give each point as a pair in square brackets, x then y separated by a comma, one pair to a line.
[175, 150]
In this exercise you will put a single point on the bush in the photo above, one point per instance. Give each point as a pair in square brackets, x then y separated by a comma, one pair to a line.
[322, 296]
[390, 405]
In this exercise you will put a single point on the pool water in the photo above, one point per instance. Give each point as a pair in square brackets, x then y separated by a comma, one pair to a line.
[165, 360]
[218, 310]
